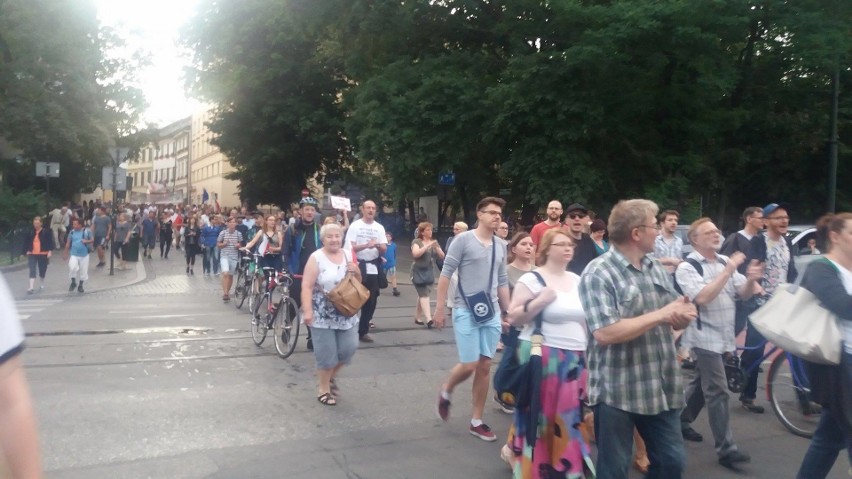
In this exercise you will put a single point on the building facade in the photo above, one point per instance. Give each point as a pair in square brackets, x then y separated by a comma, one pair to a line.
[209, 166]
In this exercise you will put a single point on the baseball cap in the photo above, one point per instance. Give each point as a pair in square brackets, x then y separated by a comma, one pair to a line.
[576, 207]
[771, 207]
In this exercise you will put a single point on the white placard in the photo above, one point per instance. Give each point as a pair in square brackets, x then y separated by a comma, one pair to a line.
[340, 203]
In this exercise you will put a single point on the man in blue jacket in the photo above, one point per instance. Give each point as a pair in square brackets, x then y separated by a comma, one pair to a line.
[300, 241]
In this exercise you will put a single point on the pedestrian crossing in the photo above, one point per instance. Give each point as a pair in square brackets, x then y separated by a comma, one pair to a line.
[29, 307]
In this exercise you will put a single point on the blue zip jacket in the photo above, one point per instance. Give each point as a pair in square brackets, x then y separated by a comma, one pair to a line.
[209, 234]
[293, 239]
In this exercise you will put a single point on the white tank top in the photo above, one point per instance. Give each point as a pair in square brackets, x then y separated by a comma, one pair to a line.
[330, 273]
[267, 241]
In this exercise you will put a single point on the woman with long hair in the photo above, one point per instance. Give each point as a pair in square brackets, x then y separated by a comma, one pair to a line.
[830, 280]
[269, 240]
[191, 243]
[558, 447]
[425, 251]
[521, 257]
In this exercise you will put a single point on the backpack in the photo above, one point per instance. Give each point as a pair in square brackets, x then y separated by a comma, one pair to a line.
[697, 265]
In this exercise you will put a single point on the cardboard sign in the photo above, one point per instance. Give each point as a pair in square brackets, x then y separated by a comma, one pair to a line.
[340, 203]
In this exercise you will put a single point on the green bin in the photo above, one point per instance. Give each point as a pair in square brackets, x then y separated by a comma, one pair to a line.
[133, 247]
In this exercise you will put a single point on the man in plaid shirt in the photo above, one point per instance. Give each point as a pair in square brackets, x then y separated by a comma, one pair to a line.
[713, 292]
[634, 378]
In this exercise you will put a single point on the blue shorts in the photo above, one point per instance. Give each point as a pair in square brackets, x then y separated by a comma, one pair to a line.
[474, 339]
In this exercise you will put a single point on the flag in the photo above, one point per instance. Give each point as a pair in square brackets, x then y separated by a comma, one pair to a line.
[205, 196]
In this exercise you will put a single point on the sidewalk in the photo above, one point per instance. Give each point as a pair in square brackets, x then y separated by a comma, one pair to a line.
[57, 280]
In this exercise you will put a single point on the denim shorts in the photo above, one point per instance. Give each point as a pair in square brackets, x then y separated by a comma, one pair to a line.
[228, 265]
[475, 339]
[334, 346]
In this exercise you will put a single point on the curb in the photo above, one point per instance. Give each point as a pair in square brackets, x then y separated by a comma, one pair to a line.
[13, 267]
[141, 275]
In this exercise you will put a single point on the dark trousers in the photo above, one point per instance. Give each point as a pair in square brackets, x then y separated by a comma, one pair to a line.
[37, 261]
[371, 282]
[663, 439]
[741, 317]
[751, 357]
[165, 244]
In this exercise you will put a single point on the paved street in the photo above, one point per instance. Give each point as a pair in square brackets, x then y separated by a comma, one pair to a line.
[152, 376]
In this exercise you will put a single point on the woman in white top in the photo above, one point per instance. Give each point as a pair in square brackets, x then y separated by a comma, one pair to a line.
[270, 240]
[334, 335]
[559, 449]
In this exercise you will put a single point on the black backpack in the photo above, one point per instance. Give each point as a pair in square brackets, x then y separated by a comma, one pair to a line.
[697, 265]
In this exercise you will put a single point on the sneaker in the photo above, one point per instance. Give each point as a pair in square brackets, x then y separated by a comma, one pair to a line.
[731, 459]
[691, 434]
[396, 292]
[750, 406]
[483, 432]
[507, 455]
[367, 339]
[73, 285]
[506, 408]
[443, 408]
[30, 291]
[80, 288]
[101, 265]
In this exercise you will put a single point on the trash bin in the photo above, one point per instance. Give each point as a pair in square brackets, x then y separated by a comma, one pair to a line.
[133, 247]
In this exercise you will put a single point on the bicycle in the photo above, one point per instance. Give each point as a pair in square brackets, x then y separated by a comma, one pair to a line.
[242, 282]
[268, 314]
[787, 388]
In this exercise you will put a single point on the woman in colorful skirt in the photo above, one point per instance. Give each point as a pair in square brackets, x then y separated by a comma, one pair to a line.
[558, 449]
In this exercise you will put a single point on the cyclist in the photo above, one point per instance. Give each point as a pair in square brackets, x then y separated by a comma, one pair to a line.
[269, 241]
[300, 241]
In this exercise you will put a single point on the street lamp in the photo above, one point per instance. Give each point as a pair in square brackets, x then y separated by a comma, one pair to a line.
[117, 155]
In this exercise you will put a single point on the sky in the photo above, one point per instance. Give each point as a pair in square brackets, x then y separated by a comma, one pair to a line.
[154, 26]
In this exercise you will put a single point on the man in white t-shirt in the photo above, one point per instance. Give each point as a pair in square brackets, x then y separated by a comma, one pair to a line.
[367, 239]
[19, 449]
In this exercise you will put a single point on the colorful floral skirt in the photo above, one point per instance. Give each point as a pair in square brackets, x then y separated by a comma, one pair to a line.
[559, 450]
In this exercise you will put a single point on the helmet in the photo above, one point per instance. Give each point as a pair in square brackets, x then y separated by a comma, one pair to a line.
[308, 200]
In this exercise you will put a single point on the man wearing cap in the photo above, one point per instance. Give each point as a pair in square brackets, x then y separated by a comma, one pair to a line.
[554, 214]
[584, 246]
[772, 249]
[300, 241]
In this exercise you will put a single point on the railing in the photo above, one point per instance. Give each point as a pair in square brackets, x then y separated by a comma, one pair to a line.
[10, 245]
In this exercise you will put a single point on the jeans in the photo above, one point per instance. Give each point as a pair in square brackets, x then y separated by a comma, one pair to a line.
[371, 282]
[211, 259]
[832, 434]
[711, 385]
[750, 357]
[663, 439]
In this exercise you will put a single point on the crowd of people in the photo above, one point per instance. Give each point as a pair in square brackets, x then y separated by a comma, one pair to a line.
[613, 299]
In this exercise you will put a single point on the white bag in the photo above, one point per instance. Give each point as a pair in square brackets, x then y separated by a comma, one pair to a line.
[794, 320]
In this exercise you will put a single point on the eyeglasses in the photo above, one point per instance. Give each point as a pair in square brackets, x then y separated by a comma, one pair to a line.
[575, 216]
[656, 227]
[492, 212]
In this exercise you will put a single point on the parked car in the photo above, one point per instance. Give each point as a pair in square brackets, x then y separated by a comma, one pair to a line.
[801, 234]
[681, 231]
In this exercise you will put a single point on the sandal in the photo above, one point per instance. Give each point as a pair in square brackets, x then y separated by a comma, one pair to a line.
[430, 324]
[421, 323]
[327, 399]
[226, 298]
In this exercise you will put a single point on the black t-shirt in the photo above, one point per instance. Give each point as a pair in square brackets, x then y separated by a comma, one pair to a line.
[309, 244]
[166, 228]
[584, 253]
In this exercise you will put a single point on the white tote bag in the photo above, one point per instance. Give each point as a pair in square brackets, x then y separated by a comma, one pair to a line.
[794, 320]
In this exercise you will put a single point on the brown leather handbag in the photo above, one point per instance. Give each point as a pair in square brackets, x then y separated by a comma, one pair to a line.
[349, 295]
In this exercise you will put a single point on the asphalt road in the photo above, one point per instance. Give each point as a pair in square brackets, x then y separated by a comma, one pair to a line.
[160, 379]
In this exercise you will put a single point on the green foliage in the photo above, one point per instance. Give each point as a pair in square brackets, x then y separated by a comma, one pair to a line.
[63, 96]
[703, 106]
[20, 208]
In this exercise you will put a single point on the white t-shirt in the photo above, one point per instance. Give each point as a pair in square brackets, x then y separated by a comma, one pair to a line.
[11, 333]
[359, 233]
[563, 324]
[845, 326]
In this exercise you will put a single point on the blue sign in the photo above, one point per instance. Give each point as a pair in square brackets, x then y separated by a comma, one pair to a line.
[447, 179]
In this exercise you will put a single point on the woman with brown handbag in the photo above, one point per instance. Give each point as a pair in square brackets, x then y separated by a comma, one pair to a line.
[334, 334]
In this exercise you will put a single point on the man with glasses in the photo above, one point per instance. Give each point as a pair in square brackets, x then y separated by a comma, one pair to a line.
[480, 259]
[554, 215]
[632, 310]
[741, 241]
[713, 291]
[576, 221]
[503, 232]
[668, 247]
[772, 249]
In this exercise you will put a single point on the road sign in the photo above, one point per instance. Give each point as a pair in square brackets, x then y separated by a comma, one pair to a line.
[47, 169]
[120, 178]
[447, 179]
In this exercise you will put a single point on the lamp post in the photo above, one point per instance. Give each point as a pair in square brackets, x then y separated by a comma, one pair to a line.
[832, 140]
[117, 155]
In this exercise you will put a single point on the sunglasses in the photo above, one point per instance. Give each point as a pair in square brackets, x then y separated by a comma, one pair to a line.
[575, 216]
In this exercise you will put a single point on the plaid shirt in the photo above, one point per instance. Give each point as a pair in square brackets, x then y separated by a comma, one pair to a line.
[641, 376]
[717, 317]
[664, 249]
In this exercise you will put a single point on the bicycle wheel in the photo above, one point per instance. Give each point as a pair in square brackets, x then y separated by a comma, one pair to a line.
[789, 393]
[286, 327]
[240, 288]
[256, 286]
[259, 320]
